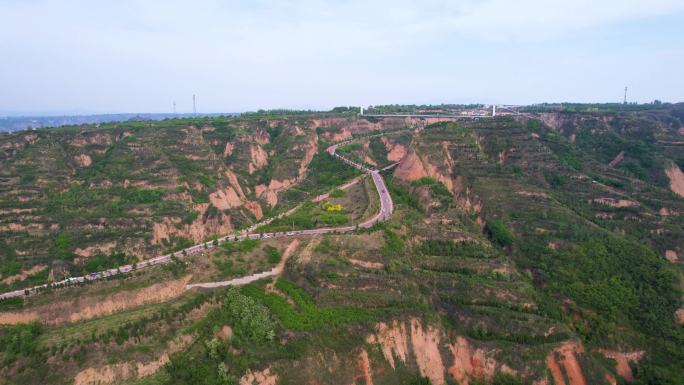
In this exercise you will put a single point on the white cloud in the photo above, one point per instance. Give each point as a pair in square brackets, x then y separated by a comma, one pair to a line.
[332, 26]
[542, 20]
[260, 53]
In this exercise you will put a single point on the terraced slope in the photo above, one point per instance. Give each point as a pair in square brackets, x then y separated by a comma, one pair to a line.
[79, 198]
[520, 251]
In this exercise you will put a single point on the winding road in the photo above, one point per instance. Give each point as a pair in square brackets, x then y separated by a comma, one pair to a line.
[386, 209]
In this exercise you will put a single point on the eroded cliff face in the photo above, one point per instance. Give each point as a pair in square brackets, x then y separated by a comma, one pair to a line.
[132, 370]
[233, 196]
[336, 129]
[442, 358]
[199, 229]
[676, 177]
[623, 360]
[438, 163]
[286, 179]
[395, 151]
[413, 167]
[258, 158]
[69, 311]
[269, 156]
[564, 122]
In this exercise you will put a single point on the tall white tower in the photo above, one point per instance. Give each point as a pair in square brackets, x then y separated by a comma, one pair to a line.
[361, 110]
[494, 110]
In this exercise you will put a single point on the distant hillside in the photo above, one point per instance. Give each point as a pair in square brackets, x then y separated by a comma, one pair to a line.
[17, 123]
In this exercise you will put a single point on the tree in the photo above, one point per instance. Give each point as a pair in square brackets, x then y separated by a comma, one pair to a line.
[498, 233]
[249, 317]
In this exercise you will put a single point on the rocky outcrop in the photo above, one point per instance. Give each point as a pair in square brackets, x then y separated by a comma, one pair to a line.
[457, 358]
[337, 129]
[395, 151]
[425, 346]
[412, 167]
[258, 158]
[98, 138]
[255, 209]
[679, 316]
[393, 341]
[104, 375]
[228, 149]
[671, 255]
[83, 160]
[115, 373]
[232, 179]
[674, 173]
[264, 377]
[264, 192]
[311, 150]
[563, 362]
[198, 230]
[555, 121]
[563, 121]
[425, 343]
[472, 363]
[622, 360]
[343, 134]
[103, 248]
[224, 199]
[364, 372]
[270, 193]
[232, 196]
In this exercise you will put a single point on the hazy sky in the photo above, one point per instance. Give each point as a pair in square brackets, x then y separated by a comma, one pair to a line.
[140, 56]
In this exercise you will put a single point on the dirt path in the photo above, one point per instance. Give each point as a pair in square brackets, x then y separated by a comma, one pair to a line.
[254, 277]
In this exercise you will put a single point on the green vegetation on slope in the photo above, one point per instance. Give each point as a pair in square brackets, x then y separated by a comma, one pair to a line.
[307, 315]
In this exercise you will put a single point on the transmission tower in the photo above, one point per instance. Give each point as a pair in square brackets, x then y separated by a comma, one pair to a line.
[194, 105]
[624, 100]
[174, 107]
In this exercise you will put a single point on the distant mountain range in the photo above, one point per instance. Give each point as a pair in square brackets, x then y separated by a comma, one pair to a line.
[16, 123]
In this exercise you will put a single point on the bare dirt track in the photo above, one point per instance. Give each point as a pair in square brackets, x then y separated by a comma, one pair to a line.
[254, 277]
